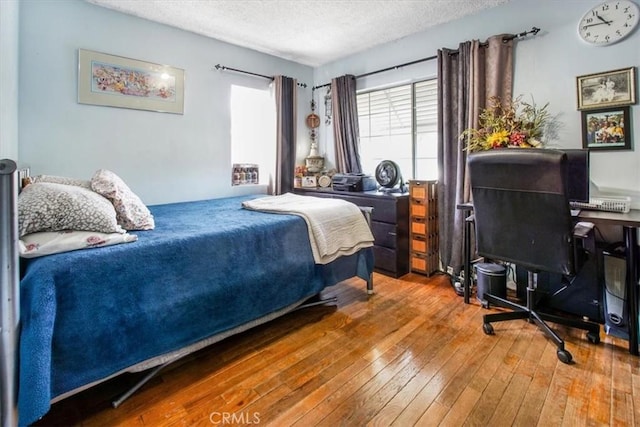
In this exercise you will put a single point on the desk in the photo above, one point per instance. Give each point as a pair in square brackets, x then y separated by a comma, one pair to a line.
[628, 221]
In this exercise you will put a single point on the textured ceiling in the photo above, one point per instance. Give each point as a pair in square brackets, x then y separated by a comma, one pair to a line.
[308, 32]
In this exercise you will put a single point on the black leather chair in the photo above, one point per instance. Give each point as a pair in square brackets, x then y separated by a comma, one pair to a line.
[522, 216]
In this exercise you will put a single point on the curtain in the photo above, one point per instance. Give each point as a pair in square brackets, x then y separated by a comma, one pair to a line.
[286, 102]
[467, 78]
[346, 132]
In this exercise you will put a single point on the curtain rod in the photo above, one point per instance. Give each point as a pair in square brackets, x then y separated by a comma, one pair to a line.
[534, 31]
[222, 67]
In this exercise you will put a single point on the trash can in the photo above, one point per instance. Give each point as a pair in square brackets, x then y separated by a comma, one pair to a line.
[492, 279]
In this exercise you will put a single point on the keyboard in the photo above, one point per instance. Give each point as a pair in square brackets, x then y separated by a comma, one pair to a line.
[609, 204]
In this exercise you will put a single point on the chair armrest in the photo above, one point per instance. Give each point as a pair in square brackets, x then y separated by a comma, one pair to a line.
[584, 243]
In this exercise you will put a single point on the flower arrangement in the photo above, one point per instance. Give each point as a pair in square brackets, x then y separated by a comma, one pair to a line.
[516, 124]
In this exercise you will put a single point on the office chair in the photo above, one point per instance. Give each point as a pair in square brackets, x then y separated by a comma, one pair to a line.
[522, 216]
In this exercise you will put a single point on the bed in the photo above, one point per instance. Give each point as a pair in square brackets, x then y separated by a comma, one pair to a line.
[208, 270]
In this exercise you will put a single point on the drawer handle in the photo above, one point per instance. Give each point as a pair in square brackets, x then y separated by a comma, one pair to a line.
[392, 234]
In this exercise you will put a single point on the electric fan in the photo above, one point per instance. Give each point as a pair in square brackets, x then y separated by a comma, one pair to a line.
[389, 177]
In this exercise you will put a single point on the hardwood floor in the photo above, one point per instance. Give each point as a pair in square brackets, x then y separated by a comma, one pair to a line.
[412, 354]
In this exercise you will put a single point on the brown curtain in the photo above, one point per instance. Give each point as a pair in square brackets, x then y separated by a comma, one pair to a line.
[286, 101]
[346, 132]
[467, 78]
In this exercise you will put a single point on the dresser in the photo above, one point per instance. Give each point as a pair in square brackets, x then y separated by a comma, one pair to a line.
[389, 224]
[423, 207]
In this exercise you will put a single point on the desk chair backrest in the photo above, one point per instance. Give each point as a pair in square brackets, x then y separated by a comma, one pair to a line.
[521, 210]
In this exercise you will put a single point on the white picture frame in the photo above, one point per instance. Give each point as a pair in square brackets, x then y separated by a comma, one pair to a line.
[116, 81]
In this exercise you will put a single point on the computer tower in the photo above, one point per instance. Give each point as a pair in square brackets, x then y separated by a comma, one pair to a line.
[615, 292]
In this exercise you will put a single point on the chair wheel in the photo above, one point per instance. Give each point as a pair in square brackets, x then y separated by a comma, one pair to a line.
[593, 338]
[487, 328]
[484, 303]
[564, 356]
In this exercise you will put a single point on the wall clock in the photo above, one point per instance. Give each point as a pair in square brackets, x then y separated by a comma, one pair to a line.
[609, 22]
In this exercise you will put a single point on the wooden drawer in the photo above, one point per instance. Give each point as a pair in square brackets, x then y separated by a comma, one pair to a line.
[425, 244]
[386, 259]
[418, 245]
[423, 190]
[383, 210]
[418, 226]
[422, 263]
[418, 208]
[385, 234]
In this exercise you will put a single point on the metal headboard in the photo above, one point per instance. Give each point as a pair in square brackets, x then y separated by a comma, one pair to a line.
[9, 293]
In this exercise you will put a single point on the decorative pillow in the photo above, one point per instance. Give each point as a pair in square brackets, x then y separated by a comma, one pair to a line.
[53, 242]
[85, 183]
[45, 206]
[132, 214]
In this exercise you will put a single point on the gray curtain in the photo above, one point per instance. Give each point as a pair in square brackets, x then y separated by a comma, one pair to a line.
[346, 132]
[467, 78]
[286, 101]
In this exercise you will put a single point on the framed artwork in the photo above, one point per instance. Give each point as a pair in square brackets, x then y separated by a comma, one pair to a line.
[608, 89]
[606, 129]
[116, 81]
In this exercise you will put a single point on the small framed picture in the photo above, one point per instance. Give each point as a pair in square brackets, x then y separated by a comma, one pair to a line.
[608, 89]
[606, 129]
[309, 181]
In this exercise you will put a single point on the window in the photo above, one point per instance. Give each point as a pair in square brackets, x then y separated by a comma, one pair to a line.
[400, 124]
[253, 129]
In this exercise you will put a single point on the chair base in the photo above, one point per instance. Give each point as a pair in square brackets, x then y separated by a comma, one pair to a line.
[539, 318]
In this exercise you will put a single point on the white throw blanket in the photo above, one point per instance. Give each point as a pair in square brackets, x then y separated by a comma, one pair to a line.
[336, 227]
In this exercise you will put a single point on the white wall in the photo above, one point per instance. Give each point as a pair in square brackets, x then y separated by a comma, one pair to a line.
[546, 67]
[166, 157]
[163, 157]
[9, 12]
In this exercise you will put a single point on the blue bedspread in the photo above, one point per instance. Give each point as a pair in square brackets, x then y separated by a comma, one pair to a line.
[208, 266]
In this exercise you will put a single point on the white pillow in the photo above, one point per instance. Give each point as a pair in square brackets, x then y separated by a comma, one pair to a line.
[52, 242]
[46, 206]
[85, 183]
[132, 214]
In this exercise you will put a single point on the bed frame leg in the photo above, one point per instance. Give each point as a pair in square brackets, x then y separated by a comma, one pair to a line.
[319, 302]
[9, 294]
[139, 384]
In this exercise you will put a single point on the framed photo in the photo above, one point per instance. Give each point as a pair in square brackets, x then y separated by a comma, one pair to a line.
[116, 81]
[609, 89]
[606, 129]
[309, 181]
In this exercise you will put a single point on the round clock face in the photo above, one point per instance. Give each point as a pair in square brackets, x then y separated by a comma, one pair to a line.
[324, 181]
[609, 22]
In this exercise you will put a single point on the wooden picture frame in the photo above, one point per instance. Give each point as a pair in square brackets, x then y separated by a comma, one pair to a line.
[116, 81]
[609, 89]
[606, 129]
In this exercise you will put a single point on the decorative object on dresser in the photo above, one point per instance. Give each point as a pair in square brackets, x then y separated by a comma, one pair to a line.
[389, 177]
[314, 162]
[389, 224]
[309, 181]
[423, 209]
